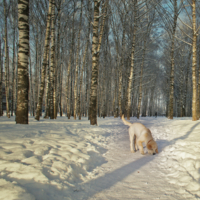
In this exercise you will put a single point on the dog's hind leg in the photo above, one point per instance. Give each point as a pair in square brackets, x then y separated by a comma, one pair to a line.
[132, 143]
[135, 142]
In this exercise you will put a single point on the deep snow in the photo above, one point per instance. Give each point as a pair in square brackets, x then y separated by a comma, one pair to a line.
[69, 159]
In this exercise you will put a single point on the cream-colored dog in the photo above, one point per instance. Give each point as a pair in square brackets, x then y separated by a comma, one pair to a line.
[138, 134]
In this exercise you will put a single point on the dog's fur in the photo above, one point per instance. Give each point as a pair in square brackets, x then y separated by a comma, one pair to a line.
[138, 134]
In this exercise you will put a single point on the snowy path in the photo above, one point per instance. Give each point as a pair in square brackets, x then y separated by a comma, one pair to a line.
[66, 159]
[134, 176]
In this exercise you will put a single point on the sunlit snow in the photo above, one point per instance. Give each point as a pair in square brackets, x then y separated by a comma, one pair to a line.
[70, 159]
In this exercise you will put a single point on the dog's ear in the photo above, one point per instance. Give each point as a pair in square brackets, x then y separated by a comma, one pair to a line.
[149, 146]
[149, 130]
[156, 150]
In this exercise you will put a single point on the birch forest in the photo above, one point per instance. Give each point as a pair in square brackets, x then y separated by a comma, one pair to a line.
[99, 58]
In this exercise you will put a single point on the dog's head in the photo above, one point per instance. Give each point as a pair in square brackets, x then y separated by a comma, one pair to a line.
[152, 147]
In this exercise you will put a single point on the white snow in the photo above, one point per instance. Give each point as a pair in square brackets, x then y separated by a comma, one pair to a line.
[70, 159]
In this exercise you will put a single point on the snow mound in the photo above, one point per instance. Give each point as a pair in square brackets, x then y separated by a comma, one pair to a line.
[56, 156]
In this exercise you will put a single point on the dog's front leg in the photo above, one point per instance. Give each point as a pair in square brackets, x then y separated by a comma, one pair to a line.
[139, 144]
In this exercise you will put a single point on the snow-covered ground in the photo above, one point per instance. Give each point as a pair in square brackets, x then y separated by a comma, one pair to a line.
[67, 159]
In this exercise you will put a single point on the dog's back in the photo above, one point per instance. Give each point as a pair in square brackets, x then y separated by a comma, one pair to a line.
[138, 129]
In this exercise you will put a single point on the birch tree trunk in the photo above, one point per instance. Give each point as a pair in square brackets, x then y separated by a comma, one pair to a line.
[1, 81]
[95, 59]
[87, 86]
[58, 64]
[130, 81]
[186, 85]
[194, 62]
[81, 76]
[36, 76]
[96, 46]
[52, 68]
[120, 74]
[141, 77]
[55, 66]
[68, 90]
[47, 91]
[180, 110]
[23, 55]
[198, 94]
[77, 66]
[13, 67]
[44, 64]
[31, 101]
[151, 100]
[6, 62]
[116, 71]
[171, 93]
[61, 83]
[60, 90]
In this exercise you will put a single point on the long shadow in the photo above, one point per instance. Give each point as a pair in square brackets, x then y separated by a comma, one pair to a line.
[89, 189]
[95, 186]
[186, 135]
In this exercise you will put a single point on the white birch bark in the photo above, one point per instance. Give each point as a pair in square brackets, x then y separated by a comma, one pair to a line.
[96, 46]
[194, 63]
[77, 66]
[186, 85]
[44, 64]
[47, 90]
[14, 62]
[36, 80]
[6, 61]
[52, 68]
[1, 81]
[23, 55]
[171, 94]
[31, 101]
[130, 81]
[58, 65]
[95, 58]
[68, 88]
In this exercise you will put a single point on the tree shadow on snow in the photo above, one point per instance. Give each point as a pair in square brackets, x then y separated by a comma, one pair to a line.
[105, 182]
[94, 186]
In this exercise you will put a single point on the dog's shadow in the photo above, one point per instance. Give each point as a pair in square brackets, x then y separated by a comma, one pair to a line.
[105, 182]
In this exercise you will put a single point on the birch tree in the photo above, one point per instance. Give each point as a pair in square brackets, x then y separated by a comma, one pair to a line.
[1, 83]
[45, 62]
[194, 62]
[6, 60]
[130, 81]
[171, 96]
[95, 59]
[96, 46]
[195, 30]
[146, 36]
[81, 75]
[58, 64]
[68, 90]
[23, 55]
[14, 24]
[77, 66]
[52, 68]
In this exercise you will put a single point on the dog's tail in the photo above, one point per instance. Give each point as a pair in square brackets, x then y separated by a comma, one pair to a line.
[125, 122]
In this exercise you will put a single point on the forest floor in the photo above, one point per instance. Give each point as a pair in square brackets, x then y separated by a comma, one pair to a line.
[70, 159]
